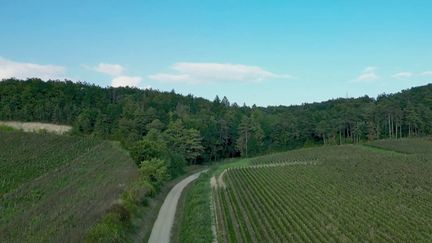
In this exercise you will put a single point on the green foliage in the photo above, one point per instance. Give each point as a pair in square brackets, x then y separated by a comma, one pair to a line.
[153, 146]
[154, 171]
[185, 142]
[146, 149]
[193, 147]
[120, 212]
[139, 192]
[175, 164]
[202, 130]
[251, 136]
[110, 230]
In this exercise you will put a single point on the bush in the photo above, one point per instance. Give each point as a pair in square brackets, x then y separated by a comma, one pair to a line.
[154, 171]
[109, 230]
[113, 227]
[139, 192]
[146, 150]
[120, 213]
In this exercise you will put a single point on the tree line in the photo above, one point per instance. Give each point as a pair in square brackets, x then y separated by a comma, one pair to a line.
[189, 130]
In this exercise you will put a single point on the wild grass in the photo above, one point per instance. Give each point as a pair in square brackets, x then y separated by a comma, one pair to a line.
[193, 218]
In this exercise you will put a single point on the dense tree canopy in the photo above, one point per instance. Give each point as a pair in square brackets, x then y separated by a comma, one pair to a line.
[201, 130]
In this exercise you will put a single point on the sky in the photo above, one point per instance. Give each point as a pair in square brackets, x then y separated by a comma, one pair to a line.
[253, 52]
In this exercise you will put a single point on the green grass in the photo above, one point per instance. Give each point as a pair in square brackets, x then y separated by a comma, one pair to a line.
[4, 128]
[54, 188]
[351, 193]
[193, 218]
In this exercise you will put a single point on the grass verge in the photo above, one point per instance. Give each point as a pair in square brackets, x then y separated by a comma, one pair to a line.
[194, 219]
[193, 216]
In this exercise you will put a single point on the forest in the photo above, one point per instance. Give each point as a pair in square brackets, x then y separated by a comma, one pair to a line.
[195, 130]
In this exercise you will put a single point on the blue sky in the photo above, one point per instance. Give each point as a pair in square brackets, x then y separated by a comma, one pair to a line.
[262, 52]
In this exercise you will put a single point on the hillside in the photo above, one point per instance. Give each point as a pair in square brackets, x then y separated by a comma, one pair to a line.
[226, 129]
[55, 187]
[378, 192]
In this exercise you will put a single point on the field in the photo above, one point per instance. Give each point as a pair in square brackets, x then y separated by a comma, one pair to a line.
[408, 146]
[381, 192]
[55, 187]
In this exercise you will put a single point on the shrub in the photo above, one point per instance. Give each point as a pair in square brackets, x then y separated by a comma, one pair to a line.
[139, 192]
[154, 171]
[146, 150]
[109, 230]
[120, 213]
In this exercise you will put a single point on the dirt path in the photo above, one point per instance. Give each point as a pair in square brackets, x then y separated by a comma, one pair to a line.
[161, 232]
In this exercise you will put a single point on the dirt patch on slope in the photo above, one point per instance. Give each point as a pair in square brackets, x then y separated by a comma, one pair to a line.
[37, 126]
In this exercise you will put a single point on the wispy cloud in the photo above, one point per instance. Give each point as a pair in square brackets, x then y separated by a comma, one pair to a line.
[117, 72]
[198, 73]
[368, 75]
[23, 70]
[426, 73]
[110, 69]
[403, 75]
[123, 81]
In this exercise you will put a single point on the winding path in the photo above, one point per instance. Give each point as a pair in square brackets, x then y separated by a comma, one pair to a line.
[161, 232]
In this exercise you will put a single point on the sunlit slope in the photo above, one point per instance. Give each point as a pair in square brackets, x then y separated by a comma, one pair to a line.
[53, 188]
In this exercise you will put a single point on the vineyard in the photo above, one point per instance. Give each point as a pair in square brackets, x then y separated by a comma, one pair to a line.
[329, 194]
[408, 146]
[55, 187]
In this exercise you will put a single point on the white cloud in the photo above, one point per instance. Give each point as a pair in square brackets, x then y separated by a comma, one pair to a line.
[117, 71]
[402, 75]
[22, 70]
[123, 81]
[110, 69]
[196, 73]
[368, 74]
[426, 73]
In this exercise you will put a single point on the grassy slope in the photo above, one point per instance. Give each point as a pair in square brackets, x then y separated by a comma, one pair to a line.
[55, 187]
